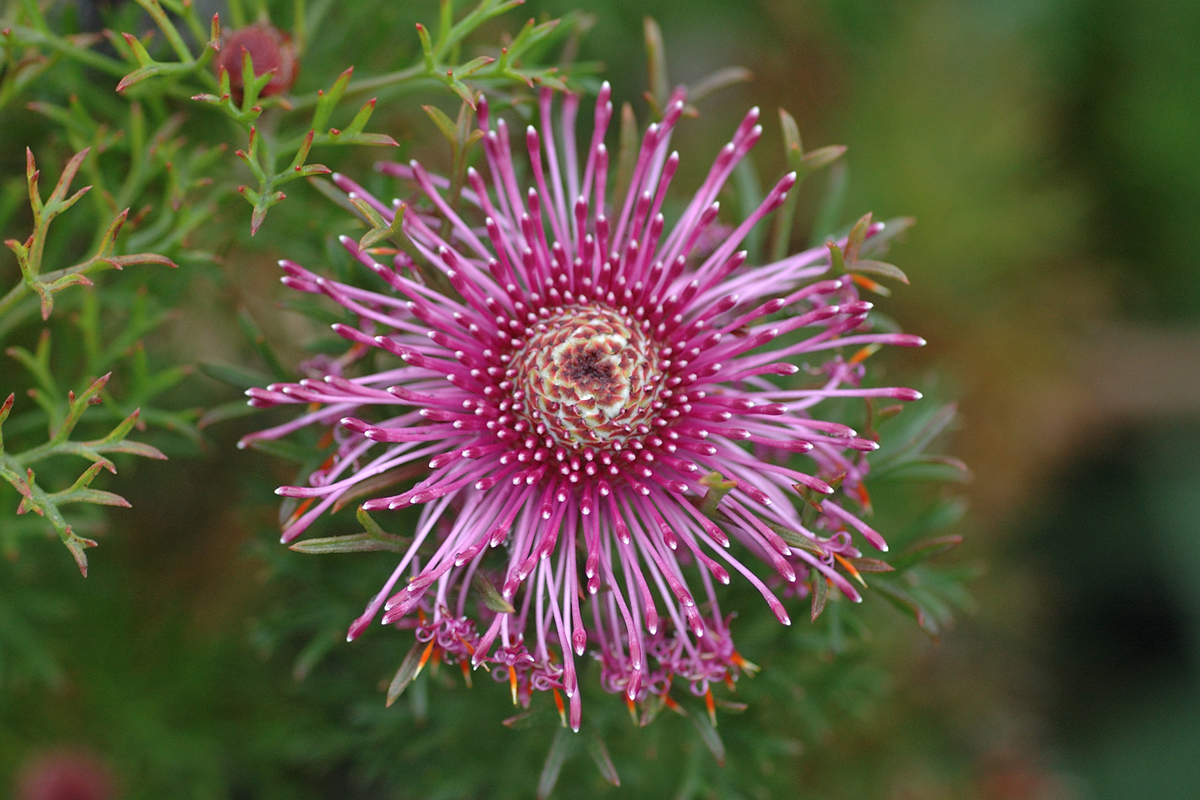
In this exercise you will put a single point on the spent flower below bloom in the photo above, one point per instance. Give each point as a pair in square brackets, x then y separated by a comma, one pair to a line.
[600, 396]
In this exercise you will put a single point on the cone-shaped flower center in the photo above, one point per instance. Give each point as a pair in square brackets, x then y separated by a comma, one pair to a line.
[587, 376]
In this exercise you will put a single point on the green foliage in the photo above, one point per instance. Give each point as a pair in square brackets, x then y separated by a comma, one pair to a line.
[64, 410]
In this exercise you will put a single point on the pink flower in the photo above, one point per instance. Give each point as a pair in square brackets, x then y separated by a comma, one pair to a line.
[572, 397]
[65, 775]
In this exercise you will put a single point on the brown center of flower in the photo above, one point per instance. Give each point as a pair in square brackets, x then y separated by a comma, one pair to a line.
[588, 375]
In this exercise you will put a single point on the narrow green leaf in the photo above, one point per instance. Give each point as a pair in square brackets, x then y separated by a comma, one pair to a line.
[905, 603]
[656, 64]
[924, 550]
[409, 668]
[285, 450]
[4, 412]
[491, 596]
[317, 648]
[822, 157]
[443, 122]
[354, 543]
[628, 151]
[871, 565]
[820, 593]
[710, 737]
[892, 229]
[716, 81]
[94, 496]
[327, 101]
[879, 268]
[796, 539]
[236, 376]
[604, 763]
[225, 412]
[256, 337]
[472, 66]
[856, 237]
[560, 749]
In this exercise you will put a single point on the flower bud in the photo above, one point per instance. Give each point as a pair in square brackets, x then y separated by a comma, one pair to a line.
[269, 49]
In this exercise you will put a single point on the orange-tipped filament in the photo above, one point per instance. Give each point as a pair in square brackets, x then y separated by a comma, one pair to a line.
[325, 440]
[864, 353]
[864, 499]
[424, 658]
[748, 667]
[299, 512]
[562, 709]
[850, 568]
[870, 285]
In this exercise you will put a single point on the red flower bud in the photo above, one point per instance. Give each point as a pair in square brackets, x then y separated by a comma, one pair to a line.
[269, 49]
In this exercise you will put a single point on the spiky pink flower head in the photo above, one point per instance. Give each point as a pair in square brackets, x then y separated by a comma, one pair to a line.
[591, 377]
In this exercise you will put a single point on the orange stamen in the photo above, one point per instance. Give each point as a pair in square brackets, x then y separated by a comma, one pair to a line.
[424, 658]
[711, 705]
[670, 703]
[299, 512]
[512, 681]
[870, 285]
[325, 440]
[632, 710]
[466, 671]
[562, 709]
[729, 682]
[850, 568]
[748, 667]
[864, 353]
[864, 499]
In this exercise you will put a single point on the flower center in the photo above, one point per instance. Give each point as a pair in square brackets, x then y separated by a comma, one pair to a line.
[589, 375]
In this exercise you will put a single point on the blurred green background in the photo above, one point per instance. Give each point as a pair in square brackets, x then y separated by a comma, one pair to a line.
[1050, 152]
